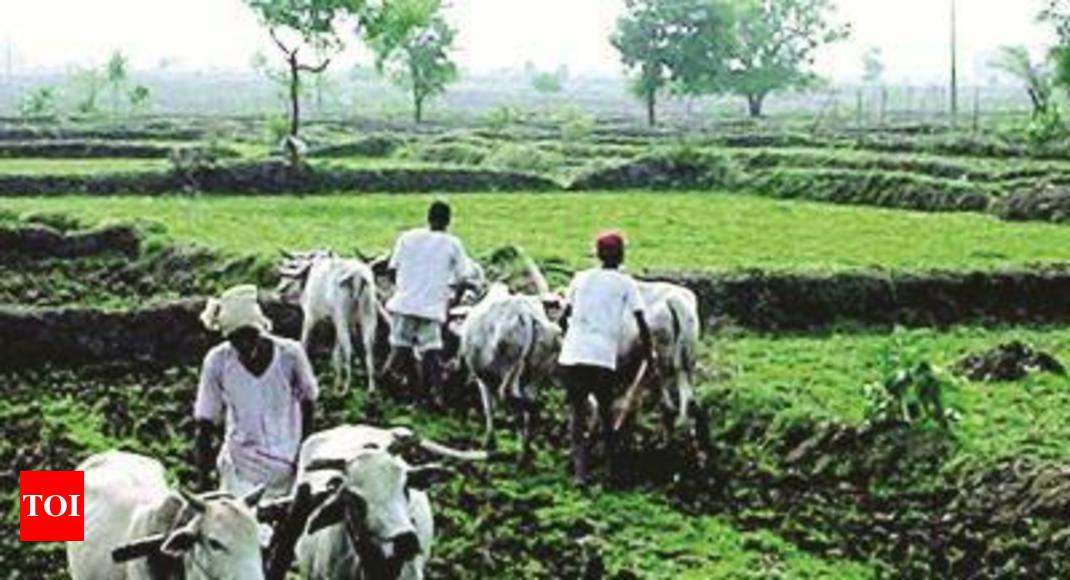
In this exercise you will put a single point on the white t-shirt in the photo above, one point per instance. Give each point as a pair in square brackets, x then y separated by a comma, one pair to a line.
[427, 264]
[263, 414]
[600, 299]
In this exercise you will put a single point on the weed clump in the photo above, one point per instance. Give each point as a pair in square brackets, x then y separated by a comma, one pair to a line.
[1012, 361]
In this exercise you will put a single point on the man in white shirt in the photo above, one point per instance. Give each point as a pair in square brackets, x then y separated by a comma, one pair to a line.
[599, 299]
[262, 387]
[428, 265]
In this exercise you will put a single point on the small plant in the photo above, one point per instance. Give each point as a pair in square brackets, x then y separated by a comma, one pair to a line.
[912, 396]
[1045, 127]
[502, 118]
[140, 98]
[40, 104]
[576, 125]
[525, 158]
[277, 128]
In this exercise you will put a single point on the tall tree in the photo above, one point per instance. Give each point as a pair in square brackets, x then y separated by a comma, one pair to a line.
[295, 25]
[1057, 14]
[1016, 62]
[872, 65]
[775, 43]
[670, 42]
[954, 65]
[412, 45]
[117, 72]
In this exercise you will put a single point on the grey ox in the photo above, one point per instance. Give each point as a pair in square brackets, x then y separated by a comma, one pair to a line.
[342, 291]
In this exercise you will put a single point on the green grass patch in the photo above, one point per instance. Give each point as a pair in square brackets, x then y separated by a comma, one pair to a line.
[824, 376]
[79, 166]
[691, 231]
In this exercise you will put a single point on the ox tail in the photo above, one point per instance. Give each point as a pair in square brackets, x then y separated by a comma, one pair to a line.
[448, 452]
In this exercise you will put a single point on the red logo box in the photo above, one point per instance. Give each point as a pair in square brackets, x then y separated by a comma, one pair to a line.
[51, 506]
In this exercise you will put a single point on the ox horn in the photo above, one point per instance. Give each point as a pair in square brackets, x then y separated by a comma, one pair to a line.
[252, 499]
[142, 548]
[194, 502]
[405, 439]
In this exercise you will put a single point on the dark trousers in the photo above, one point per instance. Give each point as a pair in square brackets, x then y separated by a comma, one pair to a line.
[581, 382]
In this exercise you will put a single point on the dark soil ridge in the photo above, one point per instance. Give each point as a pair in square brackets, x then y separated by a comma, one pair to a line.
[116, 134]
[274, 178]
[39, 241]
[171, 332]
[799, 302]
[94, 149]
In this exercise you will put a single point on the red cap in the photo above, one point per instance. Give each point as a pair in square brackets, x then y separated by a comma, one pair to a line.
[610, 242]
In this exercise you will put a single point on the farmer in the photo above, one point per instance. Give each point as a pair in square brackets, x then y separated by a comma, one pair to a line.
[599, 300]
[262, 387]
[428, 266]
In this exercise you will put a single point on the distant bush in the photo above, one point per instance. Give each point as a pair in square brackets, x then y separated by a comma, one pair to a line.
[379, 145]
[1046, 128]
[40, 104]
[276, 128]
[456, 153]
[1051, 204]
[876, 188]
[526, 158]
[678, 168]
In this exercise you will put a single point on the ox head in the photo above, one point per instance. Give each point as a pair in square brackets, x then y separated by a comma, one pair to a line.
[217, 537]
[370, 499]
[294, 272]
[474, 279]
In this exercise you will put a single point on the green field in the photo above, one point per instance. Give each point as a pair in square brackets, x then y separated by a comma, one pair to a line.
[78, 166]
[824, 375]
[688, 231]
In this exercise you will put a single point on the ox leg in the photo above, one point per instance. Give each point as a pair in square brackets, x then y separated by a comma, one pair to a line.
[368, 332]
[343, 357]
[306, 331]
[489, 440]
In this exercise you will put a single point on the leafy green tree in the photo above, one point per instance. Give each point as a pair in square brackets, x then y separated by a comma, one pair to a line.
[1057, 14]
[774, 46]
[546, 83]
[39, 104]
[295, 25]
[1016, 62]
[140, 98]
[88, 83]
[670, 42]
[873, 65]
[412, 46]
[117, 72]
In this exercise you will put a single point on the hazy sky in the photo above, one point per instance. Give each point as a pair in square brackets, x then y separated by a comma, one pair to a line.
[493, 33]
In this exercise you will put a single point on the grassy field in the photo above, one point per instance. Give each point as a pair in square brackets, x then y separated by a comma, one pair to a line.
[825, 374]
[691, 231]
[78, 166]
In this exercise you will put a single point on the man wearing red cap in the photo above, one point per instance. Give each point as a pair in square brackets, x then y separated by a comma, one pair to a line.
[599, 300]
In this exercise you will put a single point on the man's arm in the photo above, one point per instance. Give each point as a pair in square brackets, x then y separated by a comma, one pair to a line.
[204, 452]
[645, 338]
[565, 316]
[308, 418]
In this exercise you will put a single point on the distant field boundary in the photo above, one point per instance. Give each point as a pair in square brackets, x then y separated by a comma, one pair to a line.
[273, 179]
[171, 333]
[800, 302]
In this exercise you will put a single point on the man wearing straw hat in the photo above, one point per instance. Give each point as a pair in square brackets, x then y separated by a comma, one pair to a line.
[599, 299]
[262, 387]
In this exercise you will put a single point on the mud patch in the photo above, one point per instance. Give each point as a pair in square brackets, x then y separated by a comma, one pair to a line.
[1008, 362]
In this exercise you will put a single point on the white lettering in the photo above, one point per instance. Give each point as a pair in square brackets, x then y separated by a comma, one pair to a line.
[74, 506]
[33, 504]
[62, 503]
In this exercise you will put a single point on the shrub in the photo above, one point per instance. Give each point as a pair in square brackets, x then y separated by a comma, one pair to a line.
[683, 167]
[1045, 128]
[456, 153]
[516, 157]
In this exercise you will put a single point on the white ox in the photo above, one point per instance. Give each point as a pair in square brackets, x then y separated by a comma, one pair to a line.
[508, 341]
[376, 521]
[672, 314]
[136, 527]
[339, 290]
